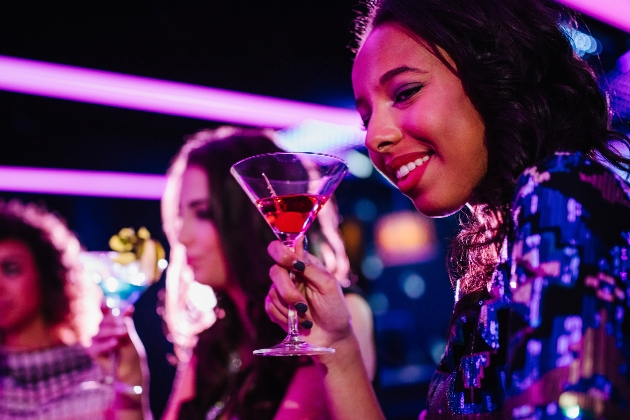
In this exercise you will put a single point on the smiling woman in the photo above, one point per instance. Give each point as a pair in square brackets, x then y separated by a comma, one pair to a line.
[423, 132]
[483, 104]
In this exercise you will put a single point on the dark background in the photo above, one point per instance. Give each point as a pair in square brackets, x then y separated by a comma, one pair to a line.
[289, 49]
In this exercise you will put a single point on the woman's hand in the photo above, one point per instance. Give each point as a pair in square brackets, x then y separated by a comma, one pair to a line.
[315, 288]
[117, 335]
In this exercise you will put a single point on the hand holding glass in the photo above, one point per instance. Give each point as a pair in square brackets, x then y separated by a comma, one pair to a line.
[289, 189]
[122, 284]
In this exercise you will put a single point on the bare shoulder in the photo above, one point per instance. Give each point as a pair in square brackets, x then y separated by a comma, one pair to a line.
[358, 306]
[363, 327]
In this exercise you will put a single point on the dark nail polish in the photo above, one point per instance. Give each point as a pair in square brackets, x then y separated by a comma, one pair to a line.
[307, 324]
[299, 265]
[301, 307]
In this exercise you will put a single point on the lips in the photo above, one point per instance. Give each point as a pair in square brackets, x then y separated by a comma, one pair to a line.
[395, 164]
[411, 166]
[407, 170]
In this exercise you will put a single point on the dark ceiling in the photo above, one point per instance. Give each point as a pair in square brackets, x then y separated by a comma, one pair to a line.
[290, 49]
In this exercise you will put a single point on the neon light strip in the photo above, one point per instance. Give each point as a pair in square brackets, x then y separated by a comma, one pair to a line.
[105, 88]
[85, 183]
[613, 12]
[141, 93]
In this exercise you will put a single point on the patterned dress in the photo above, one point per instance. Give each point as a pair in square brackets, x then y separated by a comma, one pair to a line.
[58, 383]
[552, 339]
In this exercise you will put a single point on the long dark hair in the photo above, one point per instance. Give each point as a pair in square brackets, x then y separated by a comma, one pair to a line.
[256, 391]
[535, 96]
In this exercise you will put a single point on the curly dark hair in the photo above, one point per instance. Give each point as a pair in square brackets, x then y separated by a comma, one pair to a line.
[534, 94]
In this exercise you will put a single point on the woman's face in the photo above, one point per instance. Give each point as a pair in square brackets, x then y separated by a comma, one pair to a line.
[423, 132]
[20, 297]
[198, 233]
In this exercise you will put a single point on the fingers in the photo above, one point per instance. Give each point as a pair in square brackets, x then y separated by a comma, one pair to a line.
[317, 277]
[276, 308]
[285, 257]
[284, 286]
[113, 333]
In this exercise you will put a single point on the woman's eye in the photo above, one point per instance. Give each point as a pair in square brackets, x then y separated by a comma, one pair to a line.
[406, 93]
[10, 268]
[366, 122]
[204, 214]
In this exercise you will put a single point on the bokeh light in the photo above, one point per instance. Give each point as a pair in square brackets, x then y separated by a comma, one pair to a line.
[379, 303]
[359, 164]
[412, 284]
[582, 43]
[405, 237]
[365, 210]
[372, 267]
[436, 349]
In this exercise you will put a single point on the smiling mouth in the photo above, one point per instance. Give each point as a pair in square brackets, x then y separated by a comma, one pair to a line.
[405, 169]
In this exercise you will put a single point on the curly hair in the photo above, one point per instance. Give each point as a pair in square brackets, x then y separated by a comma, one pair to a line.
[215, 335]
[534, 94]
[70, 299]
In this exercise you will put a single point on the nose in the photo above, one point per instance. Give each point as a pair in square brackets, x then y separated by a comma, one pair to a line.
[186, 232]
[382, 132]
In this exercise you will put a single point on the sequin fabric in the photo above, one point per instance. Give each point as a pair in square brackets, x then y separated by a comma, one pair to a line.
[555, 343]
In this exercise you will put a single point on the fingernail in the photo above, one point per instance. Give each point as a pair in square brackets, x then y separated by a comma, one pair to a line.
[299, 265]
[307, 324]
[301, 307]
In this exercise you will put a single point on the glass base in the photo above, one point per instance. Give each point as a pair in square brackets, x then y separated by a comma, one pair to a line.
[293, 347]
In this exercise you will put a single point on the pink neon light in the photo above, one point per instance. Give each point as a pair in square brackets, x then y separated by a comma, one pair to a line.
[85, 183]
[613, 12]
[105, 88]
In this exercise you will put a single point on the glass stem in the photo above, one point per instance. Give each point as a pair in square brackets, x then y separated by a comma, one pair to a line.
[293, 333]
[293, 318]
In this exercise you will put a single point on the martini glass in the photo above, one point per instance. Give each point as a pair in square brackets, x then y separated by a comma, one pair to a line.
[122, 283]
[289, 189]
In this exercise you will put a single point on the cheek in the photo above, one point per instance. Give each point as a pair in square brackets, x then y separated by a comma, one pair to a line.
[30, 290]
[24, 300]
[207, 235]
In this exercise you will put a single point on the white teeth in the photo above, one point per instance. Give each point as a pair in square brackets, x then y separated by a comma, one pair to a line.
[405, 169]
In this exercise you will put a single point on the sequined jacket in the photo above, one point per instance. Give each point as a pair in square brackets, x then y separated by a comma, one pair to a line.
[553, 340]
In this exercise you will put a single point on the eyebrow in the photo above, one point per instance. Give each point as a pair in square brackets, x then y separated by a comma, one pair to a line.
[390, 74]
[194, 204]
[198, 203]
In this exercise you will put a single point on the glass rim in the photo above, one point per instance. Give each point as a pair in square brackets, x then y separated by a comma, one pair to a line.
[343, 162]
